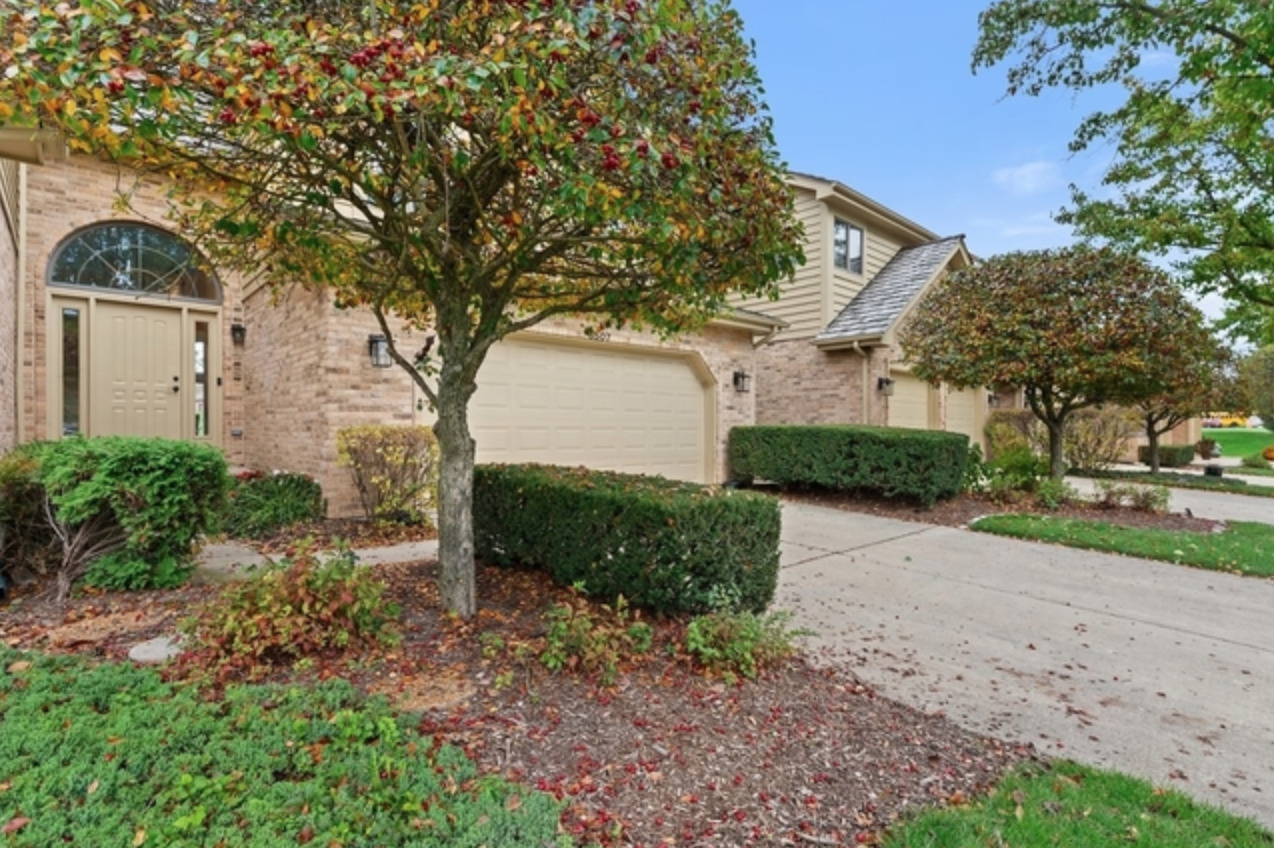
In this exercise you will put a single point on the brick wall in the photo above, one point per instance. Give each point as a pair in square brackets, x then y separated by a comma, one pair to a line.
[8, 333]
[308, 374]
[797, 383]
[64, 197]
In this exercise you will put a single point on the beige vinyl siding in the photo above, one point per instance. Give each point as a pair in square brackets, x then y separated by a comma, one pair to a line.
[9, 195]
[801, 301]
[881, 247]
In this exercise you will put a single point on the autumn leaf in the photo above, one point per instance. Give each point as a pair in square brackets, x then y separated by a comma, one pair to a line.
[19, 666]
[139, 838]
[14, 825]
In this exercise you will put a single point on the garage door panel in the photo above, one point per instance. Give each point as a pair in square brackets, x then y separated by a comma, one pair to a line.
[623, 410]
[910, 404]
[962, 413]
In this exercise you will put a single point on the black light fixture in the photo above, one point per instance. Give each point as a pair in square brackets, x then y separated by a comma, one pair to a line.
[992, 400]
[885, 386]
[238, 334]
[378, 350]
[742, 381]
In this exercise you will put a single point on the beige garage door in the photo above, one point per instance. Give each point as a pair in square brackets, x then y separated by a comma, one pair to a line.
[962, 413]
[596, 405]
[909, 406]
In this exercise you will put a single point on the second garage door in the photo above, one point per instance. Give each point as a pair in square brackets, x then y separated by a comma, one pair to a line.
[595, 405]
[910, 404]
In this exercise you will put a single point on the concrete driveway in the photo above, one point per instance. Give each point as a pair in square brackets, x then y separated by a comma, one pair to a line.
[1221, 506]
[1162, 671]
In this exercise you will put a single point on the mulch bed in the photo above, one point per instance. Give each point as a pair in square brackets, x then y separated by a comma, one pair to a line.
[959, 511]
[356, 532]
[807, 755]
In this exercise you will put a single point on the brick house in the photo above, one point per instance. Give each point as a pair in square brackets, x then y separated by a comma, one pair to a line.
[111, 324]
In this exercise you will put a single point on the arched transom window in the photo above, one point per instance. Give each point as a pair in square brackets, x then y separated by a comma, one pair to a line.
[134, 258]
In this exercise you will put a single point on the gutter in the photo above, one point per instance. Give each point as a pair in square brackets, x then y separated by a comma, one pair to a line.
[20, 283]
[848, 344]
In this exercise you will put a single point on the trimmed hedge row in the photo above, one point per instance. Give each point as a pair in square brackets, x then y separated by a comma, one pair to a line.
[920, 465]
[1170, 456]
[667, 546]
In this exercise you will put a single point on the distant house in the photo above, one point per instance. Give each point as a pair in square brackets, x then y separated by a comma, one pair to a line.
[838, 360]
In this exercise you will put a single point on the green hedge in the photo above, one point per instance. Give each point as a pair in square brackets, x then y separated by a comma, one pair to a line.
[668, 546]
[258, 504]
[920, 465]
[1170, 456]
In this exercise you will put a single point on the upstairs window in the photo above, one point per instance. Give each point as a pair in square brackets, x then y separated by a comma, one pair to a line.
[133, 258]
[847, 247]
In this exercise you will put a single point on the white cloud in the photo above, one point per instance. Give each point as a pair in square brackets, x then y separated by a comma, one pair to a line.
[1030, 178]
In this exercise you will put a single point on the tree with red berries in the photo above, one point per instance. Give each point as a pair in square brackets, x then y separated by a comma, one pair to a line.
[472, 166]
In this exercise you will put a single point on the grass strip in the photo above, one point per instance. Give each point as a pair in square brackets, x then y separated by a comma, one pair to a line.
[1066, 805]
[1244, 547]
[1179, 480]
[1240, 441]
[112, 755]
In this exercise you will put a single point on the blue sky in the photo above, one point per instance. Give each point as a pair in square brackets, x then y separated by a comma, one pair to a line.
[881, 97]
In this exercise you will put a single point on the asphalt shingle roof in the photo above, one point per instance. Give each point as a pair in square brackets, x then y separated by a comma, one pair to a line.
[891, 291]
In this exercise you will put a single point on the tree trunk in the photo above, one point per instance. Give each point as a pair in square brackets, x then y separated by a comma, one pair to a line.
[1153, 450]
[455, 492]
[1056, 449]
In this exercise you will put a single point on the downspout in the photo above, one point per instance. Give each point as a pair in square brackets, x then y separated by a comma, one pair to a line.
[21, 284]
[866, 378]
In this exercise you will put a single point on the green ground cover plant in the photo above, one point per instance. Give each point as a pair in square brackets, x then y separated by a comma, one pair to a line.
[113, 755]
[742, 644]
[1240, 441]
[665, 545]
[1066, 805]
[259, 504]
[1244, 547]
[1182, 480]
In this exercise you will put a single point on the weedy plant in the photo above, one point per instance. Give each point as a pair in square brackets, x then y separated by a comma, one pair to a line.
[303, 607]
[734, 644]
[594, 639]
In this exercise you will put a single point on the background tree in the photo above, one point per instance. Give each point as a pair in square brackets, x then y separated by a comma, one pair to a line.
[1193, 377]
[1073, 328]
[1193, 173]
[1256, 379]
[473, 166]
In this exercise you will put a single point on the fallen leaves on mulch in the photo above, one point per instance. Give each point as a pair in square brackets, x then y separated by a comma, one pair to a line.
[355, 532]
[806, 755]
[960, 510]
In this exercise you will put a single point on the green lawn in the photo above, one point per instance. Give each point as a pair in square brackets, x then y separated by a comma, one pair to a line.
[1240, 441]
[1066, 805]
[1245, 547]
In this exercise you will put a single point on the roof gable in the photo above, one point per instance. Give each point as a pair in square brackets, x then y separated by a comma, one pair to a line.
[875, 310]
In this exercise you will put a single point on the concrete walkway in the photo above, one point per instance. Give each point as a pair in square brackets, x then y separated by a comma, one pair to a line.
[1158, 670]
[226, 561]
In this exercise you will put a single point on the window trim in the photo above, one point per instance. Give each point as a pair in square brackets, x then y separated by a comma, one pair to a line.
[198, 261]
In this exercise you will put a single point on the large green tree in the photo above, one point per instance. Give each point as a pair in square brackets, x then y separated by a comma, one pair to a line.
[1193, 376]
[1193, 171]
[471, 166]
[1073, 328]
[1256, 384]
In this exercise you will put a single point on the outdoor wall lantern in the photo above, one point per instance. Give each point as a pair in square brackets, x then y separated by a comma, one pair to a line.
[238, 334]
[378, 350]
[992, 400]
[885, 386]
[742, 381]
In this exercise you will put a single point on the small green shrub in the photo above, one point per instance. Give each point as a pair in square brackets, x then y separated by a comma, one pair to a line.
[919, 465]
[1055, 494]
[1206, 448]
[112, 755]
[394, 468]
[1112, 495]
[1256, 460]
[593, 641]
[303, 607]
[1020, 468]
[1008, 429]
[28, 545]
[131, 505]
[258, 503]
[733, 644]
[977, 473]
[1170, 456]
[664, 545]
